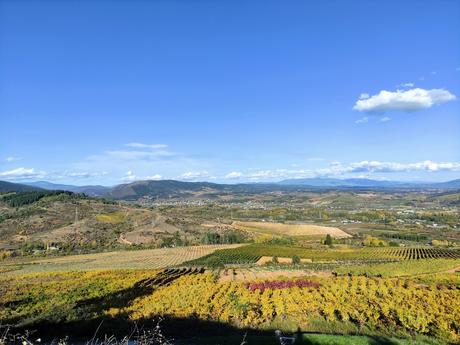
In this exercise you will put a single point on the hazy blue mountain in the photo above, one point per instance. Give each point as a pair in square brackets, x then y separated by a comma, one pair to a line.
[333, 182]
[163, 189]
[49, 185]
[367, 183]
[454, 184]
[95, 190]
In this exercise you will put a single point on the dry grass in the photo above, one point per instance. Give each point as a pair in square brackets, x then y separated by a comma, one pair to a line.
[290, 229]
[112, 218]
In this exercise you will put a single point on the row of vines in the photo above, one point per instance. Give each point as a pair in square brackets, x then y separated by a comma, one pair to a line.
[251, 254]
[380, 304]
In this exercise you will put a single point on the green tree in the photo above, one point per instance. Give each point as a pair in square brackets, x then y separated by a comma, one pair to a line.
[328, 241]
[296, 260]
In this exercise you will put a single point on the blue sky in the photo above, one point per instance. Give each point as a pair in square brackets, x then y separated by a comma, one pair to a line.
[229, 91]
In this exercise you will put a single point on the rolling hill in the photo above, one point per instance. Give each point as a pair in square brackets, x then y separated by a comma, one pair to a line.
[96, 190]
[168, 189]
[16, 187]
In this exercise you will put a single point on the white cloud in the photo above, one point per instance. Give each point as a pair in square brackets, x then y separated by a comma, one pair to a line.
[234, 175]
[12, 159]
[134, 152]
[405, 100]
[364, 96]
[22, 174]
[337, 169]
[135, 155]
[147, 146]
[364, 119]
[406, 85]
[269, 175]
[196, 175]
[266, 174]
[82, 174]
[388, 167]
[153, 177]
[385, 119]
[130, 176]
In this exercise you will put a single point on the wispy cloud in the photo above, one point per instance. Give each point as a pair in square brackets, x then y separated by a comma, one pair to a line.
[12, 159]
[234, 175]
[81, 174]
[147, 146]
[196, 176]
[25, 174]
[143, 158]
[135, 152]
[20, 174]
[389, 167]
[405, 100]
[385, 119]
[364, 119]
[130, 176]
[337, 169]
[406, 85]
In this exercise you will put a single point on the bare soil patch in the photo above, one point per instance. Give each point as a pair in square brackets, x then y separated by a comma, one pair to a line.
[290, 229]
[248, 275]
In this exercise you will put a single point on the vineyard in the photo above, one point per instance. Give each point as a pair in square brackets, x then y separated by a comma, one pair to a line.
[140, 259]
[251, 254]
[358, 304]
[61, 297]
[225, 257]
[427, 304]
[167, 276]
[415, 253]
[400, 268]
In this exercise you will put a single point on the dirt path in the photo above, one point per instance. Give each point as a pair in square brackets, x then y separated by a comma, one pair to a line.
[453, 270]
[123, 240]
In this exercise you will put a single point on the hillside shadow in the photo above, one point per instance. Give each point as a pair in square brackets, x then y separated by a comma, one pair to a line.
[378, 340]
[181, 331]
[89, 321]
[122, 298]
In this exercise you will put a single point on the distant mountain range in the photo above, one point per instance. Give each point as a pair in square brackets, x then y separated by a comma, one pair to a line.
[361, 182]
[88, 190]
[164, 189]
[16, 187]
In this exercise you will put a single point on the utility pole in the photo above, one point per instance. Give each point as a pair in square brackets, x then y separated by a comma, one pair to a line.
[76, 219]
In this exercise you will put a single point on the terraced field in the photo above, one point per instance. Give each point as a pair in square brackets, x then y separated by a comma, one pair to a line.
[140, 259]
